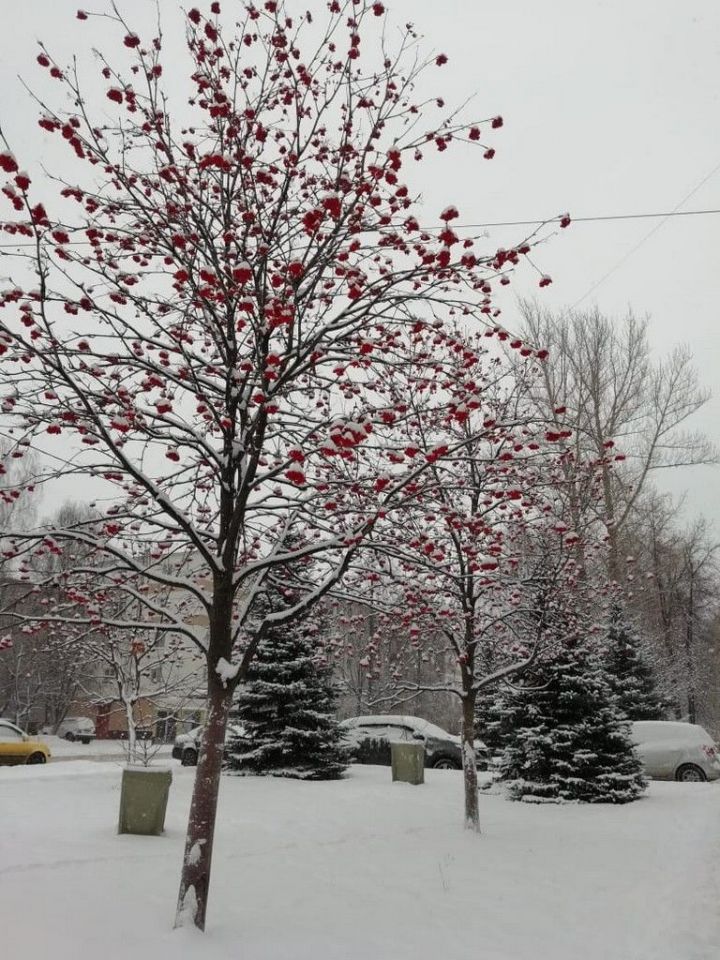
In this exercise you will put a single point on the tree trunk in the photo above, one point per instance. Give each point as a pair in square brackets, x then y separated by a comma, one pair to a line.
[470, 780]
[614, 572]
[690, 652]
[690, 679]
[195, 877]
[131, 732]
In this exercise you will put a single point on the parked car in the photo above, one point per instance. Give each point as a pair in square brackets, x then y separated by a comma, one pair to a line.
[186, 747]
[17, 747]
[369, 740]
[77, 728]
[675, 751]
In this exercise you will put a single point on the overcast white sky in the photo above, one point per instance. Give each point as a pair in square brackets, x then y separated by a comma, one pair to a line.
[610, 107]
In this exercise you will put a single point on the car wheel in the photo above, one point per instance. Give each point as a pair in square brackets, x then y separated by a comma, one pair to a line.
[36, 758]
[190, 758]
[70, 736]
[445, 763]
[86, 740]
[689, 773]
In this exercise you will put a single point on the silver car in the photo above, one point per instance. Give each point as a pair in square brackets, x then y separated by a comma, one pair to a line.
[675, 751]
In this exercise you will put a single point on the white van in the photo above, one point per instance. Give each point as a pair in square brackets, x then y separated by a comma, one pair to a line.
[77, 728]
[675, 751]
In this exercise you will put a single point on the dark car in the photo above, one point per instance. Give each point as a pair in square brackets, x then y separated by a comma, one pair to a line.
[187, 745]
[369, 740]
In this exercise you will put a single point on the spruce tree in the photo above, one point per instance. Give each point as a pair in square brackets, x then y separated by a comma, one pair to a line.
[631, 677]
[287, 709]
[566, 739]
[493, 717]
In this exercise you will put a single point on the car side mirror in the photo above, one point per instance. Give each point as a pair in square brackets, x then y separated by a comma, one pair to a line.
[419, 736]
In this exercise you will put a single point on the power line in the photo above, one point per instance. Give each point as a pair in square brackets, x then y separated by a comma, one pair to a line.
[613, 216]
[675, 212]
[665, 215]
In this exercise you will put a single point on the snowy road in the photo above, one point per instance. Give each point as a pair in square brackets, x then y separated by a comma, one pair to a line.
[359, 869]
[98, 750]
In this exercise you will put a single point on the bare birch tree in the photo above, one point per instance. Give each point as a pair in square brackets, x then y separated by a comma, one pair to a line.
[627, 409]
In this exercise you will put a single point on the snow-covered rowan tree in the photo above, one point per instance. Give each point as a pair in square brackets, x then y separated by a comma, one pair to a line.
[39, 675]
[19, 686]
[231, 297]
[629, 673]
[565, 738]
[369, 683]
[130, 667]
[482, 561]
[18, 468]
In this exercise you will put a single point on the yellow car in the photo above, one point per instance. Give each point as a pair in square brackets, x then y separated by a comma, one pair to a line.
[18, 747]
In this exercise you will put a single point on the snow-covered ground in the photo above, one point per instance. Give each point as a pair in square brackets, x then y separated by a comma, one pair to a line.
[361, 869]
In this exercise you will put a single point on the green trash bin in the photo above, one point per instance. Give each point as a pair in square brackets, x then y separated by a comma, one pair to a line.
[143, 800]
[408, 762]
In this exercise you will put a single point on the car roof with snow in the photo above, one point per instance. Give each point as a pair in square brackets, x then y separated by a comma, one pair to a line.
[417, 723]
[668, 730]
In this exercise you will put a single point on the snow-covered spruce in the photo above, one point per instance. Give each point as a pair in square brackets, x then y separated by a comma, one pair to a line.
[287, 709]
[565, 739]
[493, 717]
[630, 675]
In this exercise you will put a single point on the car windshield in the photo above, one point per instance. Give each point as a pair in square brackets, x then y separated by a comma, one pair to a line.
[10, 731]
[430, 730]
[193, 734]
[234, 729]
